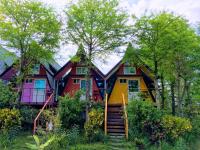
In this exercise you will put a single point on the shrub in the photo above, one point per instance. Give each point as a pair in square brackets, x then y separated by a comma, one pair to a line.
[7, 96]
[9, 118]
[28, 115]
[144, 119]
[175, 126]
[71, 111]
[93, 127]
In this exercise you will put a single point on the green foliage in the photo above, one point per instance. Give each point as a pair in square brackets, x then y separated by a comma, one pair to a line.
[175, 126]
[38, 145]
[96, 22]
[141, 114]
[28, 114]
[71, 111]
[32, 29]
[7, 137]
[145, 120]
[7, 96]
[93, 127]
[9, 118]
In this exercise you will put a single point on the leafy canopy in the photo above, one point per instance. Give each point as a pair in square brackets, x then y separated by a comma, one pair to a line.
[29, 27]
[98, 25]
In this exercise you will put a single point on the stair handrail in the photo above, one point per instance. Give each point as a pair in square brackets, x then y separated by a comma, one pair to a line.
[125, 116]
[106, 114]
[41, 110]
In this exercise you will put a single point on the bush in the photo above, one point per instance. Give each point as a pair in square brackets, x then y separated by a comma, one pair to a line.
[9, 118]
[71, 111]
[144, 119]
[7, 96]
[93, 127]
[175, 126]
[28, 115]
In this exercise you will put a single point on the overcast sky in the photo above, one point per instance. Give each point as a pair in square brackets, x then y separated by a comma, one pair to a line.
[190, 9]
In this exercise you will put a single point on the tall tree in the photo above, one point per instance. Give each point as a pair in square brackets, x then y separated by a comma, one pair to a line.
[99, 26]
[30, 28]
[181, 60]
[149, 32]
[168, 45]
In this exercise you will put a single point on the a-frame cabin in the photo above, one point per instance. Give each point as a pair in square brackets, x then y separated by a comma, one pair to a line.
[72, 78]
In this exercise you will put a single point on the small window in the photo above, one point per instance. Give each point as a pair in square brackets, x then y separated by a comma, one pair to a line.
[81, 70]
[76, 81]
[29, 80]
[122, 80]
[129, 70]
[36, 69]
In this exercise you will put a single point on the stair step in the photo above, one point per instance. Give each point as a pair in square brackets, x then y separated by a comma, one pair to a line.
[115, 120]
[117, 135]
[115, 123]
[115, 109]
[115, 117]
[115, 127]
[116, 131]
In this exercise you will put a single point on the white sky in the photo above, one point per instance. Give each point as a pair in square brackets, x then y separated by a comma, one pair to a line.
[190, 9]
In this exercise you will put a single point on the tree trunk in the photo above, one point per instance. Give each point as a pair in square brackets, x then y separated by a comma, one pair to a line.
[156, 84]
[179, 95]
[20, 77]
[88, 85]
[172, 84]
[163, 92]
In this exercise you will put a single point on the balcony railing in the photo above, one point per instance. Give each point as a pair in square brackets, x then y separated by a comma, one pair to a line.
[35, 95]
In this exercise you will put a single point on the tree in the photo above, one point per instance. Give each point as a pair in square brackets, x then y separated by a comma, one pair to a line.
[168, 45]
[182, 44]
[99, 26]
[30, 28]
[149, 32]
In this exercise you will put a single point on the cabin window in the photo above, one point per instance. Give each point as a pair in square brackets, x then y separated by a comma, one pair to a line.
[81, 70]
[29, 80]
[36, 69]
[122, 80]
[76, 81]
[133, 86]
[129, 70]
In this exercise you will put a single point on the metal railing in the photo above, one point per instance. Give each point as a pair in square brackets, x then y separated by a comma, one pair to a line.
[40, 112]
[35, 95]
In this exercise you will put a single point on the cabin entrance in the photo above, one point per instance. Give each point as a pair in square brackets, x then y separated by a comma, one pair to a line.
[133, 89]
[83, 85]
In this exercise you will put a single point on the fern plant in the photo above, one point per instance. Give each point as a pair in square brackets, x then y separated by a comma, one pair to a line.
[38, 145]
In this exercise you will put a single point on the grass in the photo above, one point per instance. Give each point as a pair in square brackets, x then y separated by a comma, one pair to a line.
[26, 137]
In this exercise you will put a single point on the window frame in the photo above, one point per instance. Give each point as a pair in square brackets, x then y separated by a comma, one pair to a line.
[77, 81]
[129, 70]
[82, 72]
[35, 69]
[122, 81]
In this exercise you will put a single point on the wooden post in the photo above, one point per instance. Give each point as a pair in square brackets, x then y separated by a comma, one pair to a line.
[106, 114]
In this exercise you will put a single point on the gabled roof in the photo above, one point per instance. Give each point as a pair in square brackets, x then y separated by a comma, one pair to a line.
[80, 56]
[145, 69]
[6, 60]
